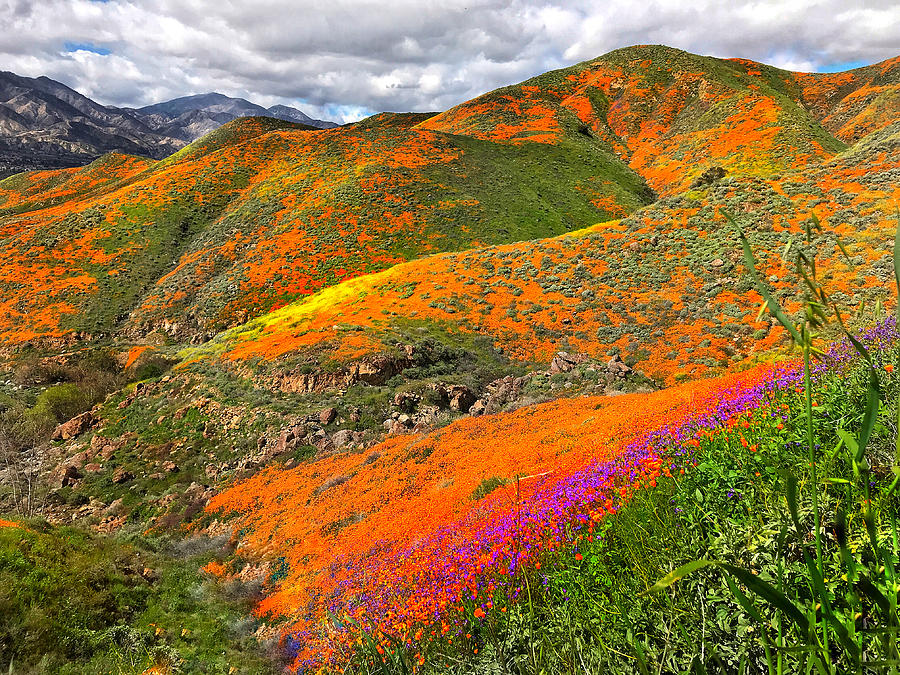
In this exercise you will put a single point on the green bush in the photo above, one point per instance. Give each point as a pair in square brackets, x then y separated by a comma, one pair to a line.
[62, 402]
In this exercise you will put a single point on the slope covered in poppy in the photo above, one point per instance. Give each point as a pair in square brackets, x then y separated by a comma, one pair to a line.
[39, 189]
[854, 103]
[664, 286]
[671, 114]
[261, 211]
[367, 535]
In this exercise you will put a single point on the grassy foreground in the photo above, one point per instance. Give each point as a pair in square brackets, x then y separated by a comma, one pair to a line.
[763, 540]
[727, 495]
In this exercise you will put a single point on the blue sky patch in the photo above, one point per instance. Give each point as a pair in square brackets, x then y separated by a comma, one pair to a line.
[838, 67]
[86, 47]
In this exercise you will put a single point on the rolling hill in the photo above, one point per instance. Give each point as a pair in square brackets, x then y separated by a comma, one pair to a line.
[525, 162]
[263, 211]
[671, 114]
[663, 287]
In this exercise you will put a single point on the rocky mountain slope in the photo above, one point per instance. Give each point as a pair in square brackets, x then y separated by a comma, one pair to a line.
[45, 124]
[190, 117]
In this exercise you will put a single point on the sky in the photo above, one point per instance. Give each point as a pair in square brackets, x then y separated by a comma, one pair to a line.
[346, 59]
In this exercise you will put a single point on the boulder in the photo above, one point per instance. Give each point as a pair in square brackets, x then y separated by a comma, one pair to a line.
[324, 444]
[396, 427]
[290, 438]
[478, 407]
[427, 414]
[104, 448]
[618, 368]
[121, 475]
[503, 391]
[78, 460]
[406, 401]
[114, 508]
[327, 416]
[70, 474]
[343, 438]
[97, 444]
[564, 362]
[75, 426]
[461, 397]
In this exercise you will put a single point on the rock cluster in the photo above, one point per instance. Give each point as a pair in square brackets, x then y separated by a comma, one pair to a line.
[376, 370]
[89, 460]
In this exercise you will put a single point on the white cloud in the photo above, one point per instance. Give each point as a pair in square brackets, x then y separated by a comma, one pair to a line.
[347, 58]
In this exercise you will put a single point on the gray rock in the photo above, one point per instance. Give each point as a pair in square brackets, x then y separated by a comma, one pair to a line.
[343, 438]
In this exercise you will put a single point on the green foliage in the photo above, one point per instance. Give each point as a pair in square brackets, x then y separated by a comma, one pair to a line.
[61, 402]
[727, 513]
[487, 486]
[74, 603]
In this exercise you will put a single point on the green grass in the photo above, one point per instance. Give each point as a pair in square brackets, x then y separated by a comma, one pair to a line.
[75, 603]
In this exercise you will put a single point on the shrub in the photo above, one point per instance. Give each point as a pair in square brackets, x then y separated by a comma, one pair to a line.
[61, 402]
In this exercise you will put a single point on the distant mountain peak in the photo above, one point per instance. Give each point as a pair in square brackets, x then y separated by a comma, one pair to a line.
[217, 106]
[46, 124]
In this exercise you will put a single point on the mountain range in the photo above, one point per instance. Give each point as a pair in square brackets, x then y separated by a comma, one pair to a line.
[45, 124]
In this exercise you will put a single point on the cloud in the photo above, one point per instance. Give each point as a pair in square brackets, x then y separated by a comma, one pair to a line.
[347, 58]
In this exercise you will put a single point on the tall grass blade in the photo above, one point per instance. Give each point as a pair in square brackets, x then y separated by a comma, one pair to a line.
[750, 261]
[791, 496]
[867, 588]
[837, 626]
[873, 403]
[678, 574]
[639, 655]
[743, 601]
[769, 593]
